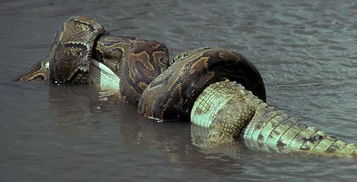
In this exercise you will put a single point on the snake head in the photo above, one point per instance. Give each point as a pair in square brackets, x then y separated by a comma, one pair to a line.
[70, 54]
[72, 48]
[69, 63]
[39, 71]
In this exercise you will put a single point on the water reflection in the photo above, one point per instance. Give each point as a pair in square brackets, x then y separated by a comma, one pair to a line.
[75, 112]
[69, 108]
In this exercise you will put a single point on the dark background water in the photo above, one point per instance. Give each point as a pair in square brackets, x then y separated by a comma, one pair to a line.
[306, 52]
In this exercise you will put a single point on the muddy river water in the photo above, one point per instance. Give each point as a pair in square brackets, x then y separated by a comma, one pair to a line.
[306, 52]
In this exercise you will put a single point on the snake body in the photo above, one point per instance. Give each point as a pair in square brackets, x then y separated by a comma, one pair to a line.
[80, 39]
[171, 95]
[214, 88]
[137, 62]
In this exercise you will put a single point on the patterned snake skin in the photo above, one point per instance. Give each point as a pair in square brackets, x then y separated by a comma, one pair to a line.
[137, 62]
[171, 95]
[200, 85]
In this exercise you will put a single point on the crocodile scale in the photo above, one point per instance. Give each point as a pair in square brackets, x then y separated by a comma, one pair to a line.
[230, 111]
[215, 88]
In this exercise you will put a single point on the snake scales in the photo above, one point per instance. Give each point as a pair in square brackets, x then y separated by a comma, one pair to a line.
[207, 86]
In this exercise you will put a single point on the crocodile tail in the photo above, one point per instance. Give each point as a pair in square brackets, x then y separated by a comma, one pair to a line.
[228, 109]
[273, 130]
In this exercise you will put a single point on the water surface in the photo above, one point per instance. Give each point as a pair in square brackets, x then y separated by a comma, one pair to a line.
[305, 51]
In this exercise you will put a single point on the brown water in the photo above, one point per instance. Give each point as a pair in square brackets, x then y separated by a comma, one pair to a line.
[306, 52]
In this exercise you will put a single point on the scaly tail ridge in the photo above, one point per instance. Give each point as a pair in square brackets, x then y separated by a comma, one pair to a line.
[229, 111]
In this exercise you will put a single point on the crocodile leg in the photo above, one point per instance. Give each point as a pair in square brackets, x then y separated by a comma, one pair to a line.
[230, 111]
[225, 116]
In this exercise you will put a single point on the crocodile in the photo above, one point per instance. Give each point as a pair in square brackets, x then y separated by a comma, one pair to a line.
[230, 113]
[213, 88]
